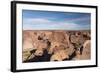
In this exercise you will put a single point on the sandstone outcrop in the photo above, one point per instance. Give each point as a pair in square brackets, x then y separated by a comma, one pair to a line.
[60, 45]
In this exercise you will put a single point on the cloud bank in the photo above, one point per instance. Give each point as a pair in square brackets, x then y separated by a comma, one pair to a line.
[47, 24]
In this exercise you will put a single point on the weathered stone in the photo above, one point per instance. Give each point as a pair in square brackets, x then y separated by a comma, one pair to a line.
[57, 43]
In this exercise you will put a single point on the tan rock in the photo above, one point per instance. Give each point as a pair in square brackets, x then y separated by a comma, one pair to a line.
[86, 53]
[59, 55]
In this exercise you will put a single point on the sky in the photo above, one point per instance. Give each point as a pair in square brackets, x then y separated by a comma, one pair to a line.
[52, 20]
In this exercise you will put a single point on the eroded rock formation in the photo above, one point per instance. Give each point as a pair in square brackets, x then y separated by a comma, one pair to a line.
[59, 45]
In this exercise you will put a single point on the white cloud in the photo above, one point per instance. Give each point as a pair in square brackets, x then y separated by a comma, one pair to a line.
[36, 20]
[79, 19]
[45, 24]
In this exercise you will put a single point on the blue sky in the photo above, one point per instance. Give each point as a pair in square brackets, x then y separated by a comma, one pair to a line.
[51, 20]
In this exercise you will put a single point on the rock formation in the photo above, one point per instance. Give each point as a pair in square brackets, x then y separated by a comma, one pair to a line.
[57, 45]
